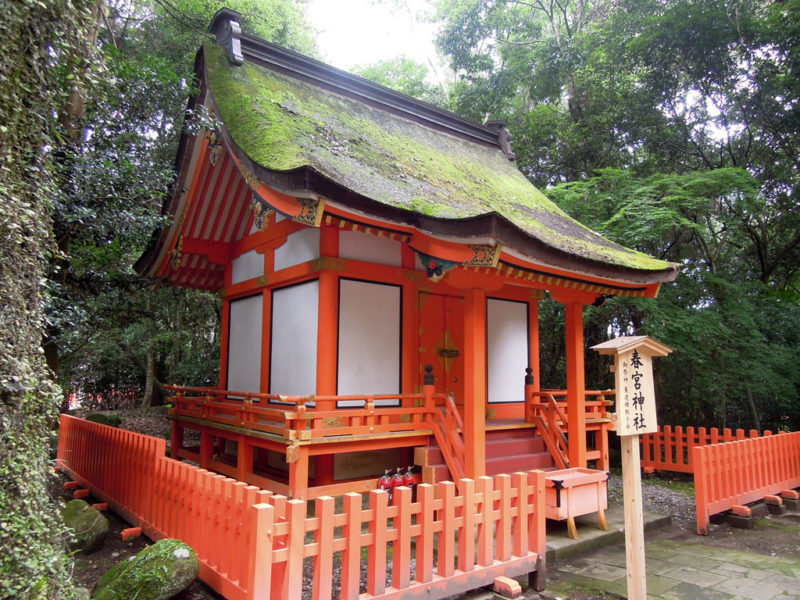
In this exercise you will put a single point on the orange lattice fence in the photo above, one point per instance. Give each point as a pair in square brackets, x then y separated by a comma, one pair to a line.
[729, 475]
[670, 449]
[253, 544]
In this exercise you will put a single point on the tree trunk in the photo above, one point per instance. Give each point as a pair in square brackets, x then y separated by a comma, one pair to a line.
[751, 405]
[153, 389]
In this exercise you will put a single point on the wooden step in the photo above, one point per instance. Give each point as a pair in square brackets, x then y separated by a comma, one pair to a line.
[500, 447]
[509, 464]
[519, 462]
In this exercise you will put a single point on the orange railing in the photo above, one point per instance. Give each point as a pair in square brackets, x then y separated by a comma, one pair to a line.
[298, 418]
[253, 544]
[549, 414]
[551, 421]
[448, 429]
[670, 449]
[729, 475]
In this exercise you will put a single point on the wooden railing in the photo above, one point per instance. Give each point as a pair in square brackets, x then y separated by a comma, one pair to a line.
[729, 475]
[670, 449]
[448, 429]
[550, 417]
[253, 544]
[551, 421]
[297, 418]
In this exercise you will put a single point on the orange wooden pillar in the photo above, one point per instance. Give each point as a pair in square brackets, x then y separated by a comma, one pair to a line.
[411, 364]
[475, 382]
[327, 346]
[298, 472]
[576, 384]
[533, 342]
[224, 330]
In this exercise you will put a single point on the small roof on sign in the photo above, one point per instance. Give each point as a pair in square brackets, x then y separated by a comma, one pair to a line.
[626, 343]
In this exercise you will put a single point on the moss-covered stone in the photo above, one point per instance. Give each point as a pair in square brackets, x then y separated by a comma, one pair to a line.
[158, 572]
[283, 124]
[104, 419]
[88, 526]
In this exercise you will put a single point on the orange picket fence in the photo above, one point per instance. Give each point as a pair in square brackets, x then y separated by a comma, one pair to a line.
[253, 544]
[729, 475]
[670, 449]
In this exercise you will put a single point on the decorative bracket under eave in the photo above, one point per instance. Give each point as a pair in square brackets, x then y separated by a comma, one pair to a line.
[438, 257]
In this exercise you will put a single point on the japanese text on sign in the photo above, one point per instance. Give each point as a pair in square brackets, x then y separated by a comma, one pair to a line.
[636, 406]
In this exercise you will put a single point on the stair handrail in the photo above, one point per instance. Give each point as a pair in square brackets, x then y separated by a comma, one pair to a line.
[552, 422]
[445, 421]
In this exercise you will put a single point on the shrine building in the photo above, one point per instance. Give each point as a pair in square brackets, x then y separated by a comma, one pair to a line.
[357, 235]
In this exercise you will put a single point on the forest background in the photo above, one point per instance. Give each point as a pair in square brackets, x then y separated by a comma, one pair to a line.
[670, 127]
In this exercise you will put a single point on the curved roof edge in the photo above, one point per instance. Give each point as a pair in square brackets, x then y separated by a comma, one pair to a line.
[299, 66]
[305, 180]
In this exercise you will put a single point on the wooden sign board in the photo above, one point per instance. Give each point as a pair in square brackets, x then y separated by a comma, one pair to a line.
[636, 402]
[633, 366]
[636, 414]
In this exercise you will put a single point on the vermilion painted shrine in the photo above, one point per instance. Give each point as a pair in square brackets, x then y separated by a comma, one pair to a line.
[355, 236]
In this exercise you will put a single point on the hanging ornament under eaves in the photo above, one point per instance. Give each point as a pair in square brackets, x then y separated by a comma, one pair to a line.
[435, 268]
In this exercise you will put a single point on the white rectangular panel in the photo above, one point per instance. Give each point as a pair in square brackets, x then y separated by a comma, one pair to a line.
[244, 344]
[507, 349]
[369, 340]
[247, 265]
[293, 354]
[300, 247]
[369, 248]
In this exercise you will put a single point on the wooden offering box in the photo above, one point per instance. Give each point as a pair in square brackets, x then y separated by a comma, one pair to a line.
[574, 492]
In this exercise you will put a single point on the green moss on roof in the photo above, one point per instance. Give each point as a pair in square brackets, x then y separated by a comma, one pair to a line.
[283, 124]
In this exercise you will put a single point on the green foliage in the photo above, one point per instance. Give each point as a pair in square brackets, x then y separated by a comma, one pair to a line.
[719, 317]
[42, 55]
[669, 127]
[108, 327]
[405, 75]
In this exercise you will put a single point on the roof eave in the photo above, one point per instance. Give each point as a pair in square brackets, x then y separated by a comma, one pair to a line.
[305, 181]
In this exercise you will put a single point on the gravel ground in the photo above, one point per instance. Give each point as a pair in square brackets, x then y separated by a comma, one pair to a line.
[660, 500]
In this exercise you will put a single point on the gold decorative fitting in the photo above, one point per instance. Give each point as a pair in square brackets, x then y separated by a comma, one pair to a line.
[331, 422]
[261, 213]
[486, 255]
[310, 211]
[214, 147]
[328, 263]
[249, 177]
[176, 254]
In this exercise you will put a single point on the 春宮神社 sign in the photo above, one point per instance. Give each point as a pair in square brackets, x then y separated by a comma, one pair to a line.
[633, 366]
[636, 402]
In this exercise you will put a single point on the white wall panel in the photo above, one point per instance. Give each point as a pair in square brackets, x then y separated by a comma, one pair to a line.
[244, 344]
[507, 349]
[248, 265]
[293, 358]
[369, 340]
[370, 248]
[300, 247]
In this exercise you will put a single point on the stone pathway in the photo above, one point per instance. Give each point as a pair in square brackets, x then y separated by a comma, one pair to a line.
[681, 571]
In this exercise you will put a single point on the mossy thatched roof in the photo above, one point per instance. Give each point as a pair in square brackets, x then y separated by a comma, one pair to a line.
[285, 123]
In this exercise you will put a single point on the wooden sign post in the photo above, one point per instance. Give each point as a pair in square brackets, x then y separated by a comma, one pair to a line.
[636, 414]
